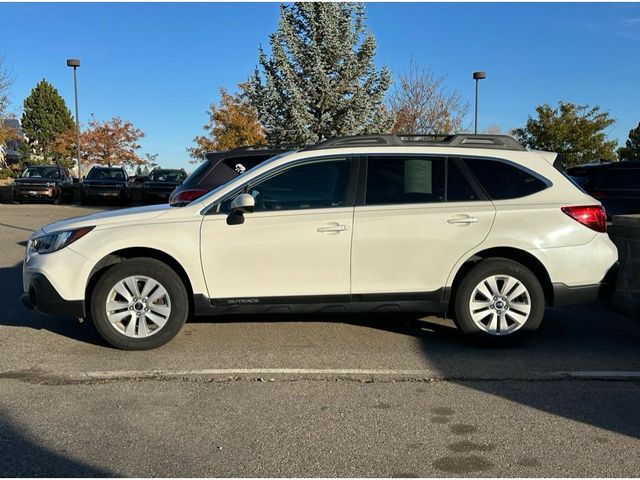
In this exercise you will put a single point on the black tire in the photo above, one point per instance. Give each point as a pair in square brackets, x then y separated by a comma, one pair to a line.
[156, 270]
[483, 270]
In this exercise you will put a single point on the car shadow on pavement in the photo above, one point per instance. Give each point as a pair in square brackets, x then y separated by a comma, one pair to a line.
[587, 349]
[21, 316]
[23, 457]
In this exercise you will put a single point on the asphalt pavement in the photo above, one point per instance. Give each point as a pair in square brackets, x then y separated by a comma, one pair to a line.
[339, 395]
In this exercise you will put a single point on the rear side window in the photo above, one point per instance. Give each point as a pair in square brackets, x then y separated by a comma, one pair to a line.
[620, 179]
[502, 180]
[403, 180]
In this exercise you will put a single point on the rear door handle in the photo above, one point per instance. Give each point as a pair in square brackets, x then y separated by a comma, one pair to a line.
[462, 220]
[333, 228]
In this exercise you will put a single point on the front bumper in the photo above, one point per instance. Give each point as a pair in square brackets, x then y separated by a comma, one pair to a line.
[43, 297]
[25, 193]
[564, 295]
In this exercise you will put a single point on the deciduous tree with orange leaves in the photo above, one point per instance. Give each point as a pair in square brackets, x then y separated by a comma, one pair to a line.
[114, 142]
[232, 124]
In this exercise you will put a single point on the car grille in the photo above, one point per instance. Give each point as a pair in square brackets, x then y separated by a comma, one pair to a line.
[34, 187]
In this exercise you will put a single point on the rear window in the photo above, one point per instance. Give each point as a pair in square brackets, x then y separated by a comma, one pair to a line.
[620, 179]
[230, 168]
[502, 180]
[195, 177]
[224, 170]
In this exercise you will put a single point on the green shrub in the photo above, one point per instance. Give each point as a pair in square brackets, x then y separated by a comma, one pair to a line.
[6, 173]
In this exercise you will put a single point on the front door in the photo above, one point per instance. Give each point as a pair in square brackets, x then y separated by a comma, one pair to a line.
[297, 242]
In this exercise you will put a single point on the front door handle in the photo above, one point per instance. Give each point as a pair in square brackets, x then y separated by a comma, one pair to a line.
[333, 228]
[461, 220]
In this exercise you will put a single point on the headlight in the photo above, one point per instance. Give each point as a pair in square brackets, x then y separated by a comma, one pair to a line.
[57, 240]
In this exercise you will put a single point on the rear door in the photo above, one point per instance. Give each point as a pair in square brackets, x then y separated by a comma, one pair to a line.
[416, 216]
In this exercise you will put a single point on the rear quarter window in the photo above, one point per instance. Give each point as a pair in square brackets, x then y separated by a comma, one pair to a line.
[502, 180]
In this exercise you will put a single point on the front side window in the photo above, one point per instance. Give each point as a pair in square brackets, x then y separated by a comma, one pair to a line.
[502, 180]
[321, 184]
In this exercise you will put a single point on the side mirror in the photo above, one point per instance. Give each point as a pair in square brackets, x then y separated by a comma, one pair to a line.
[243, 203]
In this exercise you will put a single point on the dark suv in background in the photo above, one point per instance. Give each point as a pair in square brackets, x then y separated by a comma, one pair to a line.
[105, 184]
[615, 184]
[160, 183]
[48, 182]
[220, 167]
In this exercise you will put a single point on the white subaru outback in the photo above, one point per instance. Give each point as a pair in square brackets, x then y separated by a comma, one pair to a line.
[472, 226]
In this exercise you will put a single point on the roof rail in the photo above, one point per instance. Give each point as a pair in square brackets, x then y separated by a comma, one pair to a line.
[256, 147]
[261, 146]
[499, 142]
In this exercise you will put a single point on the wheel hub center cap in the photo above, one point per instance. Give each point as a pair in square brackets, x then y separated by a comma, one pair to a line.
[138, 306]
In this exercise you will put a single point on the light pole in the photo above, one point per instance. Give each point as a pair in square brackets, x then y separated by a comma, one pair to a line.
[75, 63]
[477, 76]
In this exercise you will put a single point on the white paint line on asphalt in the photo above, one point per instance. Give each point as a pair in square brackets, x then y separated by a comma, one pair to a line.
[602, 374]
[253, 371]
[342, 372]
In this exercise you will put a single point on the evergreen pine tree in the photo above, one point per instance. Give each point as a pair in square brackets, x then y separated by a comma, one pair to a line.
[45, 118]
[631, 149]
[320, 80]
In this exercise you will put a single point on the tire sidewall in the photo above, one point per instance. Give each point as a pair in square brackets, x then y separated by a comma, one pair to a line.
[485, 269]
[160, 272]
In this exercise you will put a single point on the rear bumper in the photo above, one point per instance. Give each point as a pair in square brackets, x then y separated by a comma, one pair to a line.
[43, 297]
[564, 295]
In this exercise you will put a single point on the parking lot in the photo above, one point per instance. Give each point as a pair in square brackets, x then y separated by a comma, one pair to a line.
[322, 396]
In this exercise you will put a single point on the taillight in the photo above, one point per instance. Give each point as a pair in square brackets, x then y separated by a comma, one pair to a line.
[592, 216]
[187, 196]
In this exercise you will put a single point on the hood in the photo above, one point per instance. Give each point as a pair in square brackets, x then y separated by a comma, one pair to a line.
[161, 184]
[36, 180]
[111, 217]
[103, 182]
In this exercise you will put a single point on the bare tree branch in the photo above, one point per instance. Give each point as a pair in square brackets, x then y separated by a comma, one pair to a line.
[421, 104]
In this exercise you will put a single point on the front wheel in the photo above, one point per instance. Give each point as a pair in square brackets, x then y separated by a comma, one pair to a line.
[139, 304]
[499, 301]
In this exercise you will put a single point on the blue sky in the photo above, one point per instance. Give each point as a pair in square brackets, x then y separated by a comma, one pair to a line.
[160, 65]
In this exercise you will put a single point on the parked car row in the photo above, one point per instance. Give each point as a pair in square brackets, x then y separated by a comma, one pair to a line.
[101, 185]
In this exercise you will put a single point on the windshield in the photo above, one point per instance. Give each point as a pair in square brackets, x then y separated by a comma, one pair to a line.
[41, 172]
[166, 176]
[105, 174]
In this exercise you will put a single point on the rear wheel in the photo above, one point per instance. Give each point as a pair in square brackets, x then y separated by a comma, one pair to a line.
[499, 301]
[139, 304]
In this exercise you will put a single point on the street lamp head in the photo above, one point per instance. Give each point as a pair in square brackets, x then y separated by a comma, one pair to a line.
[479, 75]
[74, 62]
